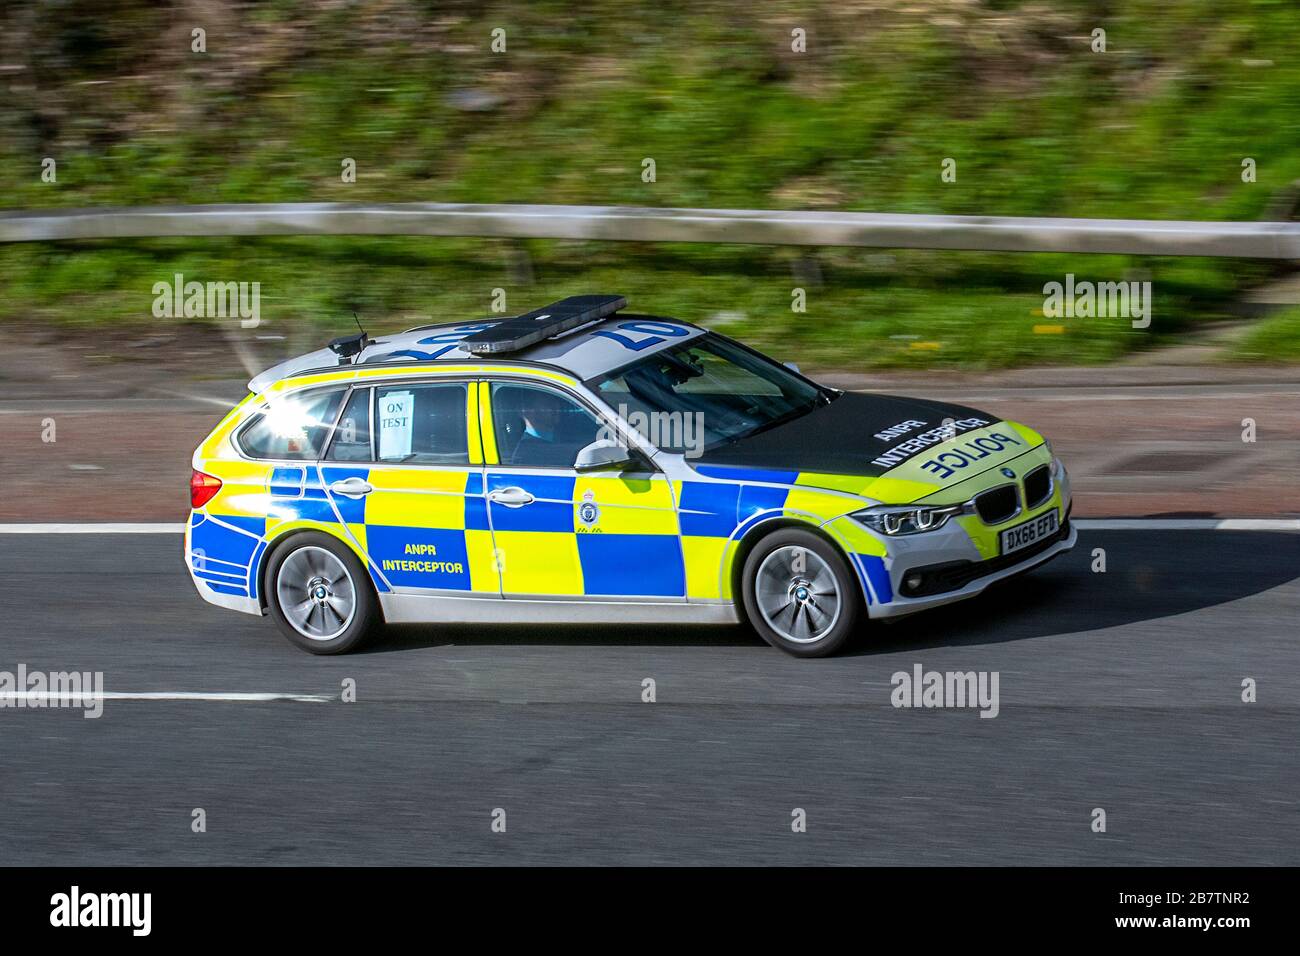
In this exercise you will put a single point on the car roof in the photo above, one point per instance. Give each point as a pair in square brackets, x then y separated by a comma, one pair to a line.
[590, 350]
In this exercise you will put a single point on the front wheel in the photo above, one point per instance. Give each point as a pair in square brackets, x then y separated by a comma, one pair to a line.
[320, 595]
[800, 594]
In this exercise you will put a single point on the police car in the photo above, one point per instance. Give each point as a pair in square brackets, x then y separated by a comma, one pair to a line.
[582, 464]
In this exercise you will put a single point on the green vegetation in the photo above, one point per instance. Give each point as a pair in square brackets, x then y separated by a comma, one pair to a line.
[1277, 339]
[1039, 124]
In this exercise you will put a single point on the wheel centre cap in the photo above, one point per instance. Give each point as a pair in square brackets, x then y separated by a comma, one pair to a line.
[801, 592]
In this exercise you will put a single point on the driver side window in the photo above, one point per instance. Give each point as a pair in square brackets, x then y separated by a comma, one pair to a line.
[538, 427]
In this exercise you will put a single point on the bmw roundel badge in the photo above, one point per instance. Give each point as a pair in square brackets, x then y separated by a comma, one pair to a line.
[1008, 472]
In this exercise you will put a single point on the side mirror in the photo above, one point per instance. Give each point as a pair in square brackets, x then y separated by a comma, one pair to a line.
[602, 454]
[792, 366]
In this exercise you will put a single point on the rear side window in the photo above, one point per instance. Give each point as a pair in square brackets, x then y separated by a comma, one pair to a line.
[422, 424]
[293, 427]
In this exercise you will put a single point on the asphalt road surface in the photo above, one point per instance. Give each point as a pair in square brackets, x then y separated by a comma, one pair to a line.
[1119, 690]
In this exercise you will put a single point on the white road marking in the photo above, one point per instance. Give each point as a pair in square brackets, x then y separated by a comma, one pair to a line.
[88, 697]
[1187, 524]
[1088, 524]
[1259, 524]
[93, 528]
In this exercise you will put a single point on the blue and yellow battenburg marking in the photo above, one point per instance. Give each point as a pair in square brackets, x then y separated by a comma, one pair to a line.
[717, 513]
[587, 535]
[434, 528]
[420, 527]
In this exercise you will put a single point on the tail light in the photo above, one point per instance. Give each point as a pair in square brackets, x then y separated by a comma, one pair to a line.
[202, 488]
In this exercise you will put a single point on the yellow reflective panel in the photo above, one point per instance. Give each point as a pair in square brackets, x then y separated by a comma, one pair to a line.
[245, 501]
[459, 369]
[560, 573]
[897, 491]
[886, 488]
[856, 538]
[853, 484]
[472, 428]
[277, 528]
[481, 553]
[486, 432]
[801, 502]
[243, 491]
[417, 498]
[358, 532]
[213, 445]
[1031, 436]
[623, 505]
[304, 381]
[705, 572]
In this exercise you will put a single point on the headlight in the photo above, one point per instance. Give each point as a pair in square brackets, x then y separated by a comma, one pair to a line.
[1055, 467]
[906, 519]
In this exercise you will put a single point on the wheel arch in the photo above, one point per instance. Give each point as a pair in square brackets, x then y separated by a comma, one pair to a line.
[283, 533]
[763, 528]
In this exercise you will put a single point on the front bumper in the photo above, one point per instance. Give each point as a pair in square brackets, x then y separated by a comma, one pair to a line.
[977, 575]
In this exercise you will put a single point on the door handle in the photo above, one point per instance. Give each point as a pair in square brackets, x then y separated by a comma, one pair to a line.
[353, 487]
[511, 497]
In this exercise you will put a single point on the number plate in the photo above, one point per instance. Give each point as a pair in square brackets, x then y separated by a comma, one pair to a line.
[1029, 533]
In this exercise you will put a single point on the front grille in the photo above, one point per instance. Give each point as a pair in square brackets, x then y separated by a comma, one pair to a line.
[1038, 486]
[954, 575]
[997, 504]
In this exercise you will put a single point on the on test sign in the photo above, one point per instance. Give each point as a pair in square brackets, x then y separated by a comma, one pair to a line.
[396, 415]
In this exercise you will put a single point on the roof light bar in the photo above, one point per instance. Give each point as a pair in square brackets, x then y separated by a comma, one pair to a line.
[519, 332]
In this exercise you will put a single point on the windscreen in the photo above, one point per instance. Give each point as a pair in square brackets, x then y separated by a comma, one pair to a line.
[715, 391]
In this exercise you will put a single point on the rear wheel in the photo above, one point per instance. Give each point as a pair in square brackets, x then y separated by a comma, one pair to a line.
[320, 595]
[800, 594]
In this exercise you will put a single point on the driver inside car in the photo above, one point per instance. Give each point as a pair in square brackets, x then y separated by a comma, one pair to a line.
[548, 439]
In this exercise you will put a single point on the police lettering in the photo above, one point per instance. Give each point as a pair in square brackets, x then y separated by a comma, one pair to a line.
[895, 431]
[951, 461]
[905, 450]
[427, 567]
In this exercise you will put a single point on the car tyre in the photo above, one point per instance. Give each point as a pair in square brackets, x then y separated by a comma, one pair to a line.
[800, 594]
[320, 595]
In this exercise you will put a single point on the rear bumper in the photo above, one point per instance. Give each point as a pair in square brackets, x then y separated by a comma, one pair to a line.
[977, 575]
[218, 592]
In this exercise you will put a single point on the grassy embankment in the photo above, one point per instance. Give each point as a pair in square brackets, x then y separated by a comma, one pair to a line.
[1156, 127]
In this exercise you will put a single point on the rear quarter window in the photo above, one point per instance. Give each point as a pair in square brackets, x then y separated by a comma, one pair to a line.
[294, 427]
